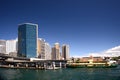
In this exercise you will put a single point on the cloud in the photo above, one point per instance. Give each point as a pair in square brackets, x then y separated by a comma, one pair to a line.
[113, 52]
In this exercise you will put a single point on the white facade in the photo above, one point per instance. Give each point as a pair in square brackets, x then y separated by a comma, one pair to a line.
[3, 46]
[41, 48]
[44, 49]
[47, 51]
[11, 46]
[2, 49]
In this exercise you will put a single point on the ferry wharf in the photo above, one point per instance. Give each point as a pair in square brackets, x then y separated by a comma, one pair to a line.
[31, 63]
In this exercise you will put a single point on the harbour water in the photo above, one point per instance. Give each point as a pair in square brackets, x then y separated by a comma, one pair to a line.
[61, 74]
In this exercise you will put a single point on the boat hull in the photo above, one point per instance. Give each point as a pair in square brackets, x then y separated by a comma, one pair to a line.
[90, 66]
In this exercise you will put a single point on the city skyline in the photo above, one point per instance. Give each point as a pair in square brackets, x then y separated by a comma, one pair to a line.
[87, 26]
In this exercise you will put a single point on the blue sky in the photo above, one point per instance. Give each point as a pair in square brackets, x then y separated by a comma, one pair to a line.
[86, 25]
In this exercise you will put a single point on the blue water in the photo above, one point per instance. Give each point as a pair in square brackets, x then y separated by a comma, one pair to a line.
[62, 74]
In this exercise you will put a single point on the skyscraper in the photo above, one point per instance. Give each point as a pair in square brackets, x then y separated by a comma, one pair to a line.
[56, 52]
[44, 49]
[65, 52]
[57, 47]
[11, 46]
[47, 51]
[8, 47]
[27, 40]
[53, 53]
[41, 48]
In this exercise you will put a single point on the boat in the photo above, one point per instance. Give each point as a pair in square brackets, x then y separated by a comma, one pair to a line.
[109, 64]
[51, 68]
[76, 65]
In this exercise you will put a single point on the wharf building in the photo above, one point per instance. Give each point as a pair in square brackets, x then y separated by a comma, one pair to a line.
[27, 40]
[65, 52]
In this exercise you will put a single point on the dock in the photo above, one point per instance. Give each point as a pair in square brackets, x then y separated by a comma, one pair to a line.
[26, 63]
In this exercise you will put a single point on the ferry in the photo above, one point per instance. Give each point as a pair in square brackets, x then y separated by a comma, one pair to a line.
[109, 64]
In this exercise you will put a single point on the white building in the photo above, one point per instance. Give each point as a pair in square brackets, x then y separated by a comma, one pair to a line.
[3, 46]
[43, 49]
[47, 51]
[2, 49]
[12, 47]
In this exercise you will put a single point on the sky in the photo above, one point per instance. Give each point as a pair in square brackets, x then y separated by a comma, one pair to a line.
[88, 26]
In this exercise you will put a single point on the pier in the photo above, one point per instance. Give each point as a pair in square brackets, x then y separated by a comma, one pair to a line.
[18, 62]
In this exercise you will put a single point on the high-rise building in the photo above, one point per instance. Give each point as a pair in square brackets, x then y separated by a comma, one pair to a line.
[27, 40]
[8, 47]
[11, 46]
[44, 49]
[57, 46]
[47, 51]
[65, 52]
[3, 46]
[53, 53]
[56, 52]
[41, 48]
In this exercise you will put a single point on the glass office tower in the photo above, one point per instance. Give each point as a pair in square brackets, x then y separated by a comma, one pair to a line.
[27, 40]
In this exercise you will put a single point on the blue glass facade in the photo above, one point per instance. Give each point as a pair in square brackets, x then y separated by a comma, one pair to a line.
[27, 40]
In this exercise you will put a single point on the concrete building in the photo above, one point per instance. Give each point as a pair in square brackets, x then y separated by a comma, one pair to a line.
[2, 49]
[27, 40]
[53, 53]
[3, 46]
[57, 47]
[47, 51]
[65, 52]
[41, 48]
[44, 49]
[11, 46]
[56, 52]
